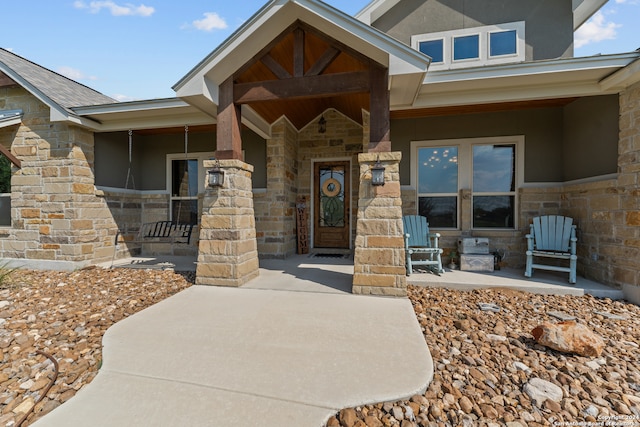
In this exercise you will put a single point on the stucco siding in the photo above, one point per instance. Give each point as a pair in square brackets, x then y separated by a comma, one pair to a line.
[150, 157]
[542, 128]
[549, 23]
[591, 137]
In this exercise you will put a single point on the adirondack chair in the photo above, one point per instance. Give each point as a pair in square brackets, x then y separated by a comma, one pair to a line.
[418, 240]
[552, 236]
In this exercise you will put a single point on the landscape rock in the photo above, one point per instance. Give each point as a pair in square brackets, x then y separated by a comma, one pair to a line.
[569, 337]
[540, 390]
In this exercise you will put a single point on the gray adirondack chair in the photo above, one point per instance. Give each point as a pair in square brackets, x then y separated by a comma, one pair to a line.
[419, 241]
[552, 236]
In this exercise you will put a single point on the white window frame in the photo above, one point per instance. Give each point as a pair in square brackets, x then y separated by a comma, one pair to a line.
[484, 49]
[465, 170]
[200, 157]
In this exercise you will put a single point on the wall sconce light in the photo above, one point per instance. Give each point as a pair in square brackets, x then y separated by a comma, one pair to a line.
[322, 125]
[216, 175]
[377, 174]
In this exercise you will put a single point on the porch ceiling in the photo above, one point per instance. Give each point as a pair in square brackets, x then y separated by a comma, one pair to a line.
[317, 49]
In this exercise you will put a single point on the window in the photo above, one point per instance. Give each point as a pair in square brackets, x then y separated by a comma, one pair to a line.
[472, 47]
[503, 43]
[438, 185]
[494, 185]
[185, 180]
[433, 48]
[5, 191]
[490, 168]
[466, 47]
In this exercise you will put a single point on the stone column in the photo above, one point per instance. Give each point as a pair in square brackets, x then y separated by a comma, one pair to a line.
[627, 223]
[228, 254]
[379, 259]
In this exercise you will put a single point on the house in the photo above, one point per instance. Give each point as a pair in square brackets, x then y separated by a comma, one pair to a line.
[478, 111]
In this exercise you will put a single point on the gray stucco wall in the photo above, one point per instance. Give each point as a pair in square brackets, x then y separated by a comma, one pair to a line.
[542, 129]
[549, 23]
[576, 141]
[149, 157]
[591, 137]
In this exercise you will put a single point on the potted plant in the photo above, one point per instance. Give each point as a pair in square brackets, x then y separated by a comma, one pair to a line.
[452, 259]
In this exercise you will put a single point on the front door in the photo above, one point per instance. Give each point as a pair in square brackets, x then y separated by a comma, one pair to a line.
[331, 205]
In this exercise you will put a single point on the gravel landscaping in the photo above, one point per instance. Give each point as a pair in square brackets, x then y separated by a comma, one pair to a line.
[65, 315]
[489, 370]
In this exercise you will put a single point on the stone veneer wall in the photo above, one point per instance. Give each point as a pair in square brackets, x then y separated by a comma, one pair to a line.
[275, 210]
[290, 156]
[57, 220]
[342, 140]
[625, 249]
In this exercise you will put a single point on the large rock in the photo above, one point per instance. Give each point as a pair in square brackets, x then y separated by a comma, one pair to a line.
[569, 337]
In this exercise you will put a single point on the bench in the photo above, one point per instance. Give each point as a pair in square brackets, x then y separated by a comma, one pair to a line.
[160, 232]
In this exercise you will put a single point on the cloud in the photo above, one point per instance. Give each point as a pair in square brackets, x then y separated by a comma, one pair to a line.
[122, 98]
[116, 10]
[74, 74]
[595, 30]
[211, 21]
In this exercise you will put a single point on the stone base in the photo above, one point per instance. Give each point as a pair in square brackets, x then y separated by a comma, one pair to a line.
[379, 258]
[228, 254]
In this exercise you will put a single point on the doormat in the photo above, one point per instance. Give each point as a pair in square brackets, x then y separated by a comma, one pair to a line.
[321, 255]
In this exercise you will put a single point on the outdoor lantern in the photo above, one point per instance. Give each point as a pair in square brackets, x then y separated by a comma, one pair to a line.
[216, 176]
[322, 125]
[377, 173]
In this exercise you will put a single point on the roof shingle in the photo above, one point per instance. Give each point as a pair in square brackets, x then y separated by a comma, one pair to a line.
[61, 90]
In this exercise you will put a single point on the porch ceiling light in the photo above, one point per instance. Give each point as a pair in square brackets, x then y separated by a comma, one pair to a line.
[377, 174]
[322, 125]
[216, 176]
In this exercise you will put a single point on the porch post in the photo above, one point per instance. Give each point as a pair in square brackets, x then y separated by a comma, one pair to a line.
[229, 122]
[228, 254]
[379, 264]
[380, 124]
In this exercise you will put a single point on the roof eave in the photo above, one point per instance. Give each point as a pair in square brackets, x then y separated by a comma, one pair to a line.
[571, 77]
[584, 9]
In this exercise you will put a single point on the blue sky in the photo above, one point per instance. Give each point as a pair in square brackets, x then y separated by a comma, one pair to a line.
[138, 50]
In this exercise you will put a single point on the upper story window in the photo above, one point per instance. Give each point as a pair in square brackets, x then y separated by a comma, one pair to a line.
[472, 47]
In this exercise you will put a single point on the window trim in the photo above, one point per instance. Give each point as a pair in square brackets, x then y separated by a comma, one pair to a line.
[484, 49]
[200, 157]
[465, 171]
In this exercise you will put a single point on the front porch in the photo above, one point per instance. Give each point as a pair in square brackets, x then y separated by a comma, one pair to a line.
[308, 273]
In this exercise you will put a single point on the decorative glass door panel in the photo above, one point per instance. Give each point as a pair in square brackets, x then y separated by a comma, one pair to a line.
[331, 205]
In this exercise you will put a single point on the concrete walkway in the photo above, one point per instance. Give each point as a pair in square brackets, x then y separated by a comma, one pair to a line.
[289, 349]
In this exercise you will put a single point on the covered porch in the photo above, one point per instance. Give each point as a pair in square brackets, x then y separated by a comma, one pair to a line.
[309, 273]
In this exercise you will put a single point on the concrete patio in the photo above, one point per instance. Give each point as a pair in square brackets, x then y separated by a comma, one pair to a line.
[334, 275]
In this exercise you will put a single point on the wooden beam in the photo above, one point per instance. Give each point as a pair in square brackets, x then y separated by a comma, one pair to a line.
[380, 123]
[298, 53]
[275, 67]
[13, 159]
[303, 87]
[229, 139]
[323, 62]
